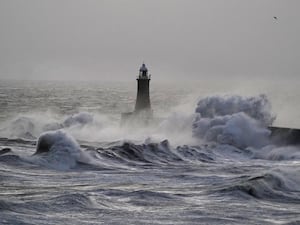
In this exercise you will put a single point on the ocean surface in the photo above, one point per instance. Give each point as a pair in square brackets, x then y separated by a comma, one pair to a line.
[206, 159]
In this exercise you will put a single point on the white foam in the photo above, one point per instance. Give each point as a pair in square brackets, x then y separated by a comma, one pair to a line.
[234, 120]
[63, 151]
[258, 107]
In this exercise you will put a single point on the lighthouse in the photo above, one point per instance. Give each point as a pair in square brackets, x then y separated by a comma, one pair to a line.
[143, 97]
[142, 113]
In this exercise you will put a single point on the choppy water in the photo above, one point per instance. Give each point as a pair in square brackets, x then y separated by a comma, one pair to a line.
[206, 161]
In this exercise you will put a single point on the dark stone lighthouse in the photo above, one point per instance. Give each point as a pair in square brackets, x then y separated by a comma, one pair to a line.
[143, 97]
[142, 113]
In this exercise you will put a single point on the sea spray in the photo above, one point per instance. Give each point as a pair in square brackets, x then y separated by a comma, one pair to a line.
[79, 119]
[30, 125]
[235, 120]
[258, 107]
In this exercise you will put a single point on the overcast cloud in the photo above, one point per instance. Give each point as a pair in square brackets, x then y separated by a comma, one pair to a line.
[178, 39]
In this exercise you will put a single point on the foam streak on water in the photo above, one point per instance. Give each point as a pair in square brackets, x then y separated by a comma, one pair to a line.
[208, 163]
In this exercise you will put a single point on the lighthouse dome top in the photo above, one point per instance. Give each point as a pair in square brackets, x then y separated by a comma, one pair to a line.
[143, 68]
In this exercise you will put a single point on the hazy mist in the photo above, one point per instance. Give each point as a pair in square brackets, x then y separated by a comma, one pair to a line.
[178, 39]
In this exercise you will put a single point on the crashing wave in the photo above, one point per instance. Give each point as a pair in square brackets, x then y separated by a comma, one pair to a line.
[258, 108]
[59, 150]
[234, 120]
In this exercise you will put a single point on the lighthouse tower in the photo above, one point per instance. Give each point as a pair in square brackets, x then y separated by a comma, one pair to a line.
[143, 97]
[142, 114]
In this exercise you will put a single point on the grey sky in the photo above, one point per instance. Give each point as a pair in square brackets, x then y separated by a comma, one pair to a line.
[180, 39]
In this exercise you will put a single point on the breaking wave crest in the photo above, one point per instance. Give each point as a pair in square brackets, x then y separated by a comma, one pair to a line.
[58, 150]
[279, 185]
[275, 153]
